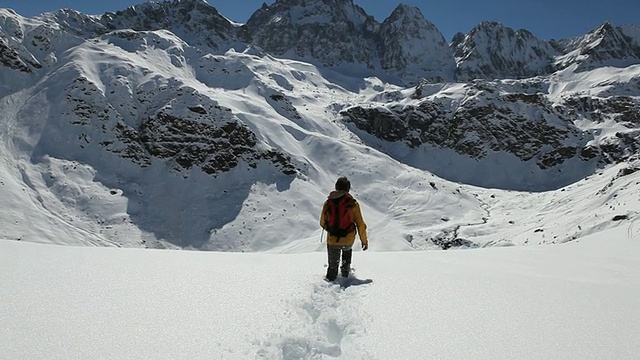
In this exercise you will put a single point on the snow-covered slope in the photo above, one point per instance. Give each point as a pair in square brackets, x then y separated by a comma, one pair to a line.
[133, 129]
[535, 134]
[573, 301]
[176, 136]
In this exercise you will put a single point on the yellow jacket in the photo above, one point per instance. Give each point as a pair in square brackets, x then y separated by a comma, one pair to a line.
[356, 216]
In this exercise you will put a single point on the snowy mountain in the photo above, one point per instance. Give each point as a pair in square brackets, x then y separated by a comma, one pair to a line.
[607, 45]
[493, 51]
[411, 46]
[194, 21]
[341, 34]
[167, 125]
[537, 126]
[333, 32]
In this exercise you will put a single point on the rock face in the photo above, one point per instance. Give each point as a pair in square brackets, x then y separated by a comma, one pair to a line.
[10, 58]
[339, 33]
[506, 106]
[489, 118]
[409, 44]
[527, 126]
[493, 51]
[194, 21]
[335, 32]
[607, 45]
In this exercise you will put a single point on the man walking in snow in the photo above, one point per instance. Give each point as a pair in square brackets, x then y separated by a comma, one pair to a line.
[341, 218]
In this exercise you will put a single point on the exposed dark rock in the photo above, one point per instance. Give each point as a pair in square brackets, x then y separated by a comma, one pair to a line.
[198, 109]
[10, 58]
[493, 51]
[195, 20]
[293, 26]
[483, 122]
[215, 149]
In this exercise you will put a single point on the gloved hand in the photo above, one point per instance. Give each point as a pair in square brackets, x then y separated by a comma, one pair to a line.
[365, 246]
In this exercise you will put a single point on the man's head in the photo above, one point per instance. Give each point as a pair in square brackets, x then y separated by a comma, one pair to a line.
[343, 184]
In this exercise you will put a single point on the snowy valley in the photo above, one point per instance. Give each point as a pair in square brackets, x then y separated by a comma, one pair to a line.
[166, 126]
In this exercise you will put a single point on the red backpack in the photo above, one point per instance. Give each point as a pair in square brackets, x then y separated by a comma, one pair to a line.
[337, 217]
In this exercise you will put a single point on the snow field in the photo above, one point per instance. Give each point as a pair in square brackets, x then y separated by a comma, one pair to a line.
[578, 300]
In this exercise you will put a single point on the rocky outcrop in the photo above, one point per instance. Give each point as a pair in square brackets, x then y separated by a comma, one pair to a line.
[339, 33]
[493, 51]
[190, 131]
[194, 21]
[607, 45]
[10, 58]
[335, 32]
[413, 47]
[491, 120]
[214, 149]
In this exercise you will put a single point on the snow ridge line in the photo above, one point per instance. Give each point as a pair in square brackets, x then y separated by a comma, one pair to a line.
[327, 324]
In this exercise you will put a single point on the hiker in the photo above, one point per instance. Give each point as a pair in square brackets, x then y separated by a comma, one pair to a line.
[341, 217]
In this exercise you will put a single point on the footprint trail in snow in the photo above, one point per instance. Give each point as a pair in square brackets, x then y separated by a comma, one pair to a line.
[327, 324]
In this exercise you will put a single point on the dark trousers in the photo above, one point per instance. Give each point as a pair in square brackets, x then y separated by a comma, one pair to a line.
[334, 252]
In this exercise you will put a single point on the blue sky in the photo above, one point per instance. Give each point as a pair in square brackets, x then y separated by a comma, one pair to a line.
[546, 19]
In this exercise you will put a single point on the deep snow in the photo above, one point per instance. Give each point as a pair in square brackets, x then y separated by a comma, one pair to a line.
[578, 300]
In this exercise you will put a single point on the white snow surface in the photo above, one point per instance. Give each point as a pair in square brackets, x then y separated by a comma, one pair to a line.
[579, 300]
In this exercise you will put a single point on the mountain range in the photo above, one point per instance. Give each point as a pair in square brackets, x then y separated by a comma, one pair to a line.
[167, 125]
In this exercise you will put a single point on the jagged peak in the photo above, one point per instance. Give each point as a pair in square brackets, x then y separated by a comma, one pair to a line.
[606, 32]
[406, 14]
[154, 6]
[496, 29]
[606, 27]
[169, 12]
[6, 13]
[404, 9]
[344, 10]
[491, 27]
[458, 38]
[489, 24]
[67, 14]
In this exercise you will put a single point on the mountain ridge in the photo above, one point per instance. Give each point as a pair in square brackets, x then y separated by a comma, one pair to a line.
[207, 139]
[369, 45]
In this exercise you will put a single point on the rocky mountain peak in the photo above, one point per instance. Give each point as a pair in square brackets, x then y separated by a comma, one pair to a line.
[605, 28]
[410, 44]
[606, 45]
[334, 32]
[404, 10]
[492, 51]
[195, 21]
[299, 12]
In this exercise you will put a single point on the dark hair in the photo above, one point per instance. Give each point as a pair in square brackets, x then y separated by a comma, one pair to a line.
[343, 184]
